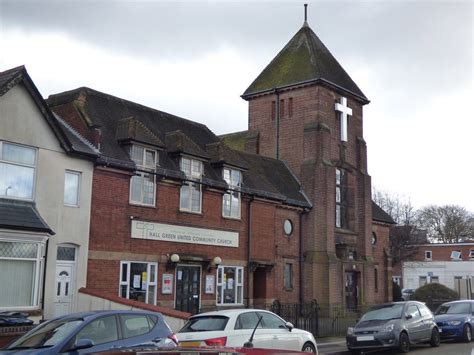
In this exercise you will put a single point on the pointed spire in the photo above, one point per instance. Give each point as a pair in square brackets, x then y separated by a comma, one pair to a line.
[305, 15]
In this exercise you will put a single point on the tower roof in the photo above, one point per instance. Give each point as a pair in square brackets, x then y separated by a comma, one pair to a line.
[304, 60]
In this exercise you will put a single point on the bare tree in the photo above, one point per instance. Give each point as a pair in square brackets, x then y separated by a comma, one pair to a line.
[400, 209]
[447, 224]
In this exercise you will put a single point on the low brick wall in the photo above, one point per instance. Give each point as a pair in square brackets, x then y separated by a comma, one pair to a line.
[8, 334]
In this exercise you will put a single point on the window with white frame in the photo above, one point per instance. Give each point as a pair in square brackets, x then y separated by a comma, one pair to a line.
[456, 255]
[230, 285]
[191, 193]
[435, 279]
[231, 199]
[471, 254]
[138, 281]
[20, 270]
[423, 280]
[72, 181]
[428, 255]
[142, 184]
[17, 171]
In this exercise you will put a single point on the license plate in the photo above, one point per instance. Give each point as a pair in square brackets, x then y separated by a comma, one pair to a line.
[365, 338]
[190, 343]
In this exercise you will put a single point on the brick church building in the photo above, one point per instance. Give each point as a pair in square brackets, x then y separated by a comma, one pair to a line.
[184, 219]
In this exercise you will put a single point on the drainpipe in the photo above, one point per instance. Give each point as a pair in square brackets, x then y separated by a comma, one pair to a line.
[249, 249]
[277, 113]
[44, 276]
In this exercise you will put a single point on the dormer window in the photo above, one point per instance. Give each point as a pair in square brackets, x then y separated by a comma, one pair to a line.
[191, 192]
[456, 255]
[143, 183]
[17, 171]
[231, 199]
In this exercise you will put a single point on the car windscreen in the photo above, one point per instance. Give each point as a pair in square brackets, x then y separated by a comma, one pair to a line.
[48, 334]
[205, 324]
[384, 312]
[454, 308]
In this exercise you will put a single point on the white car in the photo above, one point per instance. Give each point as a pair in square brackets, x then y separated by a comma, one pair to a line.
[234, 328]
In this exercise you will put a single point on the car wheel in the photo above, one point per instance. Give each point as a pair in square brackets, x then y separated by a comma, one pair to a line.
[467, 333]
[309, 348]
[435, 339]
[404, 343]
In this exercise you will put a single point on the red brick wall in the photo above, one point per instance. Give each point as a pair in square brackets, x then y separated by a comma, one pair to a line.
[442, 252]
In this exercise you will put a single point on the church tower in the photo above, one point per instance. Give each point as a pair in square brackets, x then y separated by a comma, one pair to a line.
[305, 110]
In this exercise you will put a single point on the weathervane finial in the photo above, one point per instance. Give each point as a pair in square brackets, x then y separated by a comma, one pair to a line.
[305, 14]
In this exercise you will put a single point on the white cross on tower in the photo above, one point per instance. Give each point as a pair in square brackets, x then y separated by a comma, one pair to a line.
[345, 111]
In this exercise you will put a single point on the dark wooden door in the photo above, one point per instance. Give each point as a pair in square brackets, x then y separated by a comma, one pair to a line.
[188, 288]
[351, 290]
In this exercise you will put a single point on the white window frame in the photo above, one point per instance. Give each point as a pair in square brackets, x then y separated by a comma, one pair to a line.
[471, 254]
[194, 180]
[78, 191]
[149, 283]
[229, 193]
[430, 258]
[221, 286]
[4, 192]
[39, 264]
[456, 255]
[143, 166]
[420, 278]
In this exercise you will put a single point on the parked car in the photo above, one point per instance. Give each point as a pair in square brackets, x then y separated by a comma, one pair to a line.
[407, 293]
[393, 325]
[234, 328]
[89, 332]
[456, 320]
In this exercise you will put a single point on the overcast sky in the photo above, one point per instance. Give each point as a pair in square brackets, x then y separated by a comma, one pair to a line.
[412, 59]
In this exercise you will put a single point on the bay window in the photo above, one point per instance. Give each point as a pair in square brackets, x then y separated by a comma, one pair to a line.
[142, 184]
[191, 193]
[17, 171]
[230, 285]
[231, 199]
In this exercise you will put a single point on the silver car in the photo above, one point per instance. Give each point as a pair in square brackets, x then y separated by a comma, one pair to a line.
[393, 325]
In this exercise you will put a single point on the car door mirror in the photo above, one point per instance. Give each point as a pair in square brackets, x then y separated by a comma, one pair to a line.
[289, 325]
[408, 316]
[83, 344]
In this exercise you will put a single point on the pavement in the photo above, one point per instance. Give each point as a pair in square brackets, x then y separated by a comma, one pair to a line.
[332, 346]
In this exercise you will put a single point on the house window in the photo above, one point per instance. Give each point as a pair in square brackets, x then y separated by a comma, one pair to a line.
[471, 254]
[20, 266]
[282, 108]
[191, 194]
[231, 199]
[17, 171]
[138, 281]
[423, 281]
[428, 255]
[229, 285]
[376, 280]
[457, 283]
[142, 184]
[435, 279]
[341, 199]
[288, 276]
[290, 107]
[273, 110]
[72, 181]
[456, 255]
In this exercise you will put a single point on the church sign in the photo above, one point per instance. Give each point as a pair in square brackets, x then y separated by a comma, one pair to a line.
[181, 234]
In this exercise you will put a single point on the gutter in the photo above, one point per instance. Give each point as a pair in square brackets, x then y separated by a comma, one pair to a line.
[249, 250]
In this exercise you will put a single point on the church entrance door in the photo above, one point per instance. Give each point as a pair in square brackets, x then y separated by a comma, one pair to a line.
[352, 290]
[188, 281]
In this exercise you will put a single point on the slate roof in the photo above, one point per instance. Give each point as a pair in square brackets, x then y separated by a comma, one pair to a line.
[121, 121]
[21, 215]
[305, 59]
[379, 215]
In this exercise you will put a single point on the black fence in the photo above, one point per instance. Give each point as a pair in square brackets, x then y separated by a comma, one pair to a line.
[321, 321]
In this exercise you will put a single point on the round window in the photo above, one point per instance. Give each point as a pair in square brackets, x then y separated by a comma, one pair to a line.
[288, 227]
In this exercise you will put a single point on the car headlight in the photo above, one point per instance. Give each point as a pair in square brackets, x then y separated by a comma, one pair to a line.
[454, 322]
[388, 328]
[350, 331]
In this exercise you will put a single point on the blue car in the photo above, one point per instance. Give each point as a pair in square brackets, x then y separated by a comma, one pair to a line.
[89, 332]
[455, 320]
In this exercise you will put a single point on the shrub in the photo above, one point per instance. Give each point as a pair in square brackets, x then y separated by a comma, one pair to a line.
[396, 292]
[434, 294]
